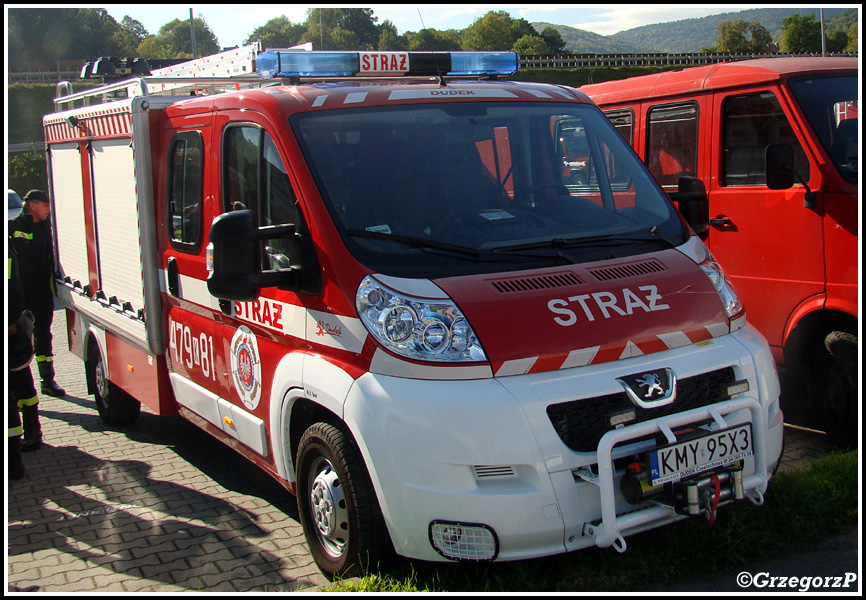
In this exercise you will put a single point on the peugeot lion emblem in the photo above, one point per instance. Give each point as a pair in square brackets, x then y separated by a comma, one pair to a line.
[650, 389]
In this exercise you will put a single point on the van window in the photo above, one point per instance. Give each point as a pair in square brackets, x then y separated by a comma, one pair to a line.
[831, 106]
[623, 120]
[751, 122]
[672, 142]
[185, 191]
[256, 179]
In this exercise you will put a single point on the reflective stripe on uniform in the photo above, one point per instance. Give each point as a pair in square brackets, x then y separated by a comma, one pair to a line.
[34, 401]
[44, 359]
[22, 234]
[16, 431]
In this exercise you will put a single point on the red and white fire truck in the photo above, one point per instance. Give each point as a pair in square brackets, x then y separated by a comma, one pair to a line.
[372, 276]
[768, 149]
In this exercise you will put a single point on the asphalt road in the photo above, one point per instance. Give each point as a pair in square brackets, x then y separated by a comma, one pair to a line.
[163, 507]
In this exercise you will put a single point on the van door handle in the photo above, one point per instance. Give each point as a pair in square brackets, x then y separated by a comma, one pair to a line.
[173, 278]
[721, 221]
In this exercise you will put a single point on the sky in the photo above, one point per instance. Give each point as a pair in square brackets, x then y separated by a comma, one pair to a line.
[232, 23]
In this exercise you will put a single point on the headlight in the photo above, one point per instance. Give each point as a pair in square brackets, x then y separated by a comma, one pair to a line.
[734, 307]
[417, 328]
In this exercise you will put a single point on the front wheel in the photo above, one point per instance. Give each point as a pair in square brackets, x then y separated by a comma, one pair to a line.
[337, 504]
[840, 407]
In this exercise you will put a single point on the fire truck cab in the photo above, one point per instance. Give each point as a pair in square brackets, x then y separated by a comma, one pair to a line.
[374, 278]
[761, 158]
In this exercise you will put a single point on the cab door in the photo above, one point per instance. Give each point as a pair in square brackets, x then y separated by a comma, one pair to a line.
[767, 241]
[197, 369]
[268, 333]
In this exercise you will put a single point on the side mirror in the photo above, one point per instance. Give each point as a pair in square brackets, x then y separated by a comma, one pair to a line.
[235, 256]
[780, 167]
[693, 204]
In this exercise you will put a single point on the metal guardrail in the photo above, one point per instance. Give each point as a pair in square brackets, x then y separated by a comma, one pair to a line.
[577, 61]
[32, 147]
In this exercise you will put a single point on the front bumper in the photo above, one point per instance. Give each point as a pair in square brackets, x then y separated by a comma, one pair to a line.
[485, 451]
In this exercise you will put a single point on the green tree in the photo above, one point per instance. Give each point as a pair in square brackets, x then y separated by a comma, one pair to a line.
[322, 23]
[531, 44]
[129, 36]
[278, 32]
[800, 33]
[554, 40]
[389, 39]
[490, 32]
[175, 42]
[38, 34]
[432, 40]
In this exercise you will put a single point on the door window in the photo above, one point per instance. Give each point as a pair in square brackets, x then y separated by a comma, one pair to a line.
[672, 142]
[752, 122]
[256, 179]
[623, 120]
[185, 191]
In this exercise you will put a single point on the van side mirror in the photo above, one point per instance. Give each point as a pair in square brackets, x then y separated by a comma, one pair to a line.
[780, 169]
[236, 257]
[694, 205]
[781, 174]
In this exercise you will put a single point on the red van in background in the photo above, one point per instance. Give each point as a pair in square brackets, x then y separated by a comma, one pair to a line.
[761, 158]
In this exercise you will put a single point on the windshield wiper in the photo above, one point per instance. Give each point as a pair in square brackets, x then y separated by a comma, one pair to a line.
[415, 242]
[564, 243]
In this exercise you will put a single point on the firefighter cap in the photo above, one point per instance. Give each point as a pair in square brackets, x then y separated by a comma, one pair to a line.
[36, 195]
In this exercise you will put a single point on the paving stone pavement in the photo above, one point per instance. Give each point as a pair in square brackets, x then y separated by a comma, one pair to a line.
[162, 506]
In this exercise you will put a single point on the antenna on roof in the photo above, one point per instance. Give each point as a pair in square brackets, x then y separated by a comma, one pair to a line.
[435, 59]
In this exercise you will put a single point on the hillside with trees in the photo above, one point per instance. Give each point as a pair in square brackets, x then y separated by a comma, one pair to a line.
[693, 35]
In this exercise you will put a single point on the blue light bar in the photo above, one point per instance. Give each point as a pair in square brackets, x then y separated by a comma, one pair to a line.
[484, 63]
[286, 63]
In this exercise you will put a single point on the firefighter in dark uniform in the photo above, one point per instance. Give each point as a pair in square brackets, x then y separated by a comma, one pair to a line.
[30, 234]
[19, 324]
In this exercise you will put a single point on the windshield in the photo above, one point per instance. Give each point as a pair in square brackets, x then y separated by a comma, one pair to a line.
[830, 104]
[429, 190]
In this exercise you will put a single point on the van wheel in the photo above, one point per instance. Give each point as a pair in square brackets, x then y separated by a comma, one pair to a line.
[840, 389]
[337, 505]
[115, 407]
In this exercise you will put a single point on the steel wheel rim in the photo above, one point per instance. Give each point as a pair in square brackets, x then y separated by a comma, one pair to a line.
[328, 508]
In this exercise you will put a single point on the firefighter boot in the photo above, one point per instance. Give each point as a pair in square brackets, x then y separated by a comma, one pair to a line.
[32, 429]
[16, 465]
[49, 387]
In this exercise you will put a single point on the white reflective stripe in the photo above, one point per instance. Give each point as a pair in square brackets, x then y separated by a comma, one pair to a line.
[675, 339]
[449, 93]
[355, 98]
[631, 350]
[539, 94]
[519, 366]
[580, 358]
[319, 101]
[718, 329]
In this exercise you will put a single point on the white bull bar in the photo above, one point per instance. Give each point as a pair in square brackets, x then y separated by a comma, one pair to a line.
[608, 532]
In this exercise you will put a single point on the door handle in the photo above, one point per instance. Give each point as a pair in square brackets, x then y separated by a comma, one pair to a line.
[721, 221]
[173, 278]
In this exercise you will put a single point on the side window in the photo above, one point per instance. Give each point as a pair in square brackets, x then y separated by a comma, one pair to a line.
[751, 123]
[185, 191]
[672, 142]
[256, 179]
[623, 120]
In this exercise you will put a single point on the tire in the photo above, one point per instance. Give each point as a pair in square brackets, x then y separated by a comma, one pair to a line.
[116, 408]
[337, 505]
[840, 404]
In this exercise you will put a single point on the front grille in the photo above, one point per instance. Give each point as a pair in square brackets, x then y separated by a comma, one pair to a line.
[580, 424]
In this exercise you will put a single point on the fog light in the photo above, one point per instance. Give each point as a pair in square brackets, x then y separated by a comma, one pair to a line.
[461, 541]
